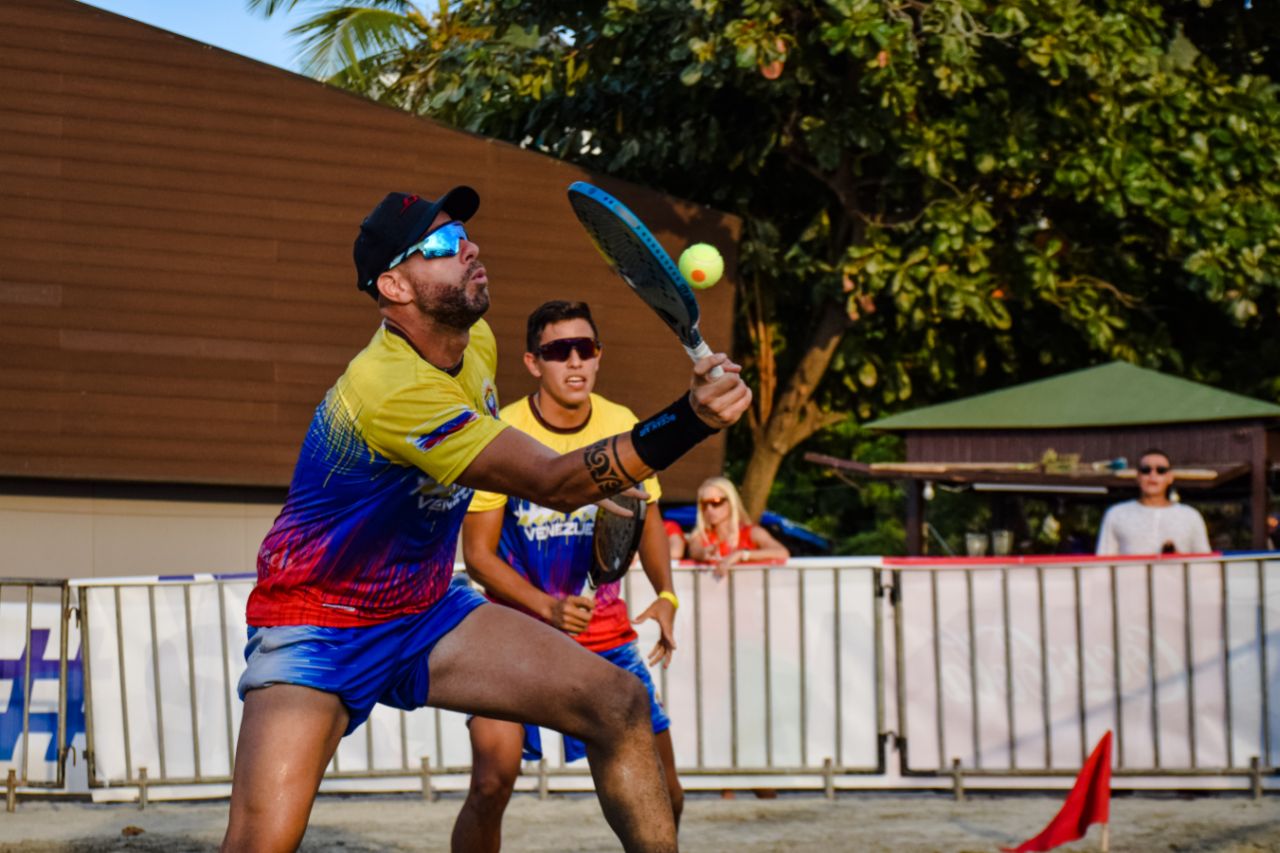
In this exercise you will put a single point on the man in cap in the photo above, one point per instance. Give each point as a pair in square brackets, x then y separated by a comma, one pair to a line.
[354, 604]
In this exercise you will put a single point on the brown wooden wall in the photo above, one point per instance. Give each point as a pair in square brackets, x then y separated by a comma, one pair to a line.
[176, 286]
[1188, 444]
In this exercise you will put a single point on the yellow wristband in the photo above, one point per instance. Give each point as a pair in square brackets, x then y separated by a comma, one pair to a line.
[670, 596]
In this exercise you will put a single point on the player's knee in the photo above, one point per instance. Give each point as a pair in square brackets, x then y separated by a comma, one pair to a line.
[623, 704]
[262, 824]
[258, 830]
[492, 786]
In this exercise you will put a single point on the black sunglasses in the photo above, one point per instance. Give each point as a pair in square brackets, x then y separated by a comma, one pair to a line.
[560, 350]
[1147, 469]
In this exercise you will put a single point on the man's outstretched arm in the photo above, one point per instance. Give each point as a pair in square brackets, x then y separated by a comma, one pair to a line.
[515, 464]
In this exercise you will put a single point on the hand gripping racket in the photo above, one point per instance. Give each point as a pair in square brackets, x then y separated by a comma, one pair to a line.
[615, 541]
[633, 253]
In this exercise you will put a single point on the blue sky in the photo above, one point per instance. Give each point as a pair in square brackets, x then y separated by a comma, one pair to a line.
[223, 23]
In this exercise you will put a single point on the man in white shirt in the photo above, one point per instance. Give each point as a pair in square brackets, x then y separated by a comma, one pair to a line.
[1153, 524]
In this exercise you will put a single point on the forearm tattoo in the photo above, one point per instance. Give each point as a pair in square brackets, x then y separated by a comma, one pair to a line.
[604, 466]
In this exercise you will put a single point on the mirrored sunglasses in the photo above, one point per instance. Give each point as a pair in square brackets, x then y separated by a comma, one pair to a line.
[444, 242]
[560, 350]
[710, 503]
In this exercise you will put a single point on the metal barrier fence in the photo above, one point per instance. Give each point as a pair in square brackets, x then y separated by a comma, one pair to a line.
[34, 736]
[1019, 670]
[160, 663]
[779, 679]
[794, 675]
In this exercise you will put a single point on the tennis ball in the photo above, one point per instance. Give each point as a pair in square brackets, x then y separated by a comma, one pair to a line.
[701, 265]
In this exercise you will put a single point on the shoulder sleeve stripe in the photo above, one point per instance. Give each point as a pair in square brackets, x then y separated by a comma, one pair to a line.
[440, 433]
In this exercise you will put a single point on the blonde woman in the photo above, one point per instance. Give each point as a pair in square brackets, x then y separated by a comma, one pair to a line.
[724, 534]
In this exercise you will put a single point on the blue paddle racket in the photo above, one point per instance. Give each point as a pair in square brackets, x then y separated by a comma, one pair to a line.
[631, 250]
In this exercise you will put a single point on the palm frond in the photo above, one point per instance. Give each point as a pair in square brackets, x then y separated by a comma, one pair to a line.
[343, 37]
[269, 7]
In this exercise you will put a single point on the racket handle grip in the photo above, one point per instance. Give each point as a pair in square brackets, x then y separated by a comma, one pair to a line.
[702, 351]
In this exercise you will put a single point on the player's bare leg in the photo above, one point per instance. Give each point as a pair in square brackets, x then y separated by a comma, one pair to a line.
[675, 792]
[287, 737]
[500, 663]
[496, 748]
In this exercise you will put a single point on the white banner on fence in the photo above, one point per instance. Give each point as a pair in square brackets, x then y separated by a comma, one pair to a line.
[774, 668]
[165, 657]
[1006, 667]
[1026, 667]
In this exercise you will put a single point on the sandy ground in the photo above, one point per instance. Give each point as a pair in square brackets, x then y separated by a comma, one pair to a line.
[862, 822]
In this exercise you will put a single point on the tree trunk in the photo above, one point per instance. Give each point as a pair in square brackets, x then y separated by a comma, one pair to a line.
[762, 469]
[795, 416]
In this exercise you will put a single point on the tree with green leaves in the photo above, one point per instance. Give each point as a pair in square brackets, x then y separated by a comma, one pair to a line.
[938, 197]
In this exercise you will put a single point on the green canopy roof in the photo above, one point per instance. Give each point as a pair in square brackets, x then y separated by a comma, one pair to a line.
[1116, 394]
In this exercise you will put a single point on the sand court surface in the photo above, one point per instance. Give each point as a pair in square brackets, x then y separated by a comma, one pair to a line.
[801, 822]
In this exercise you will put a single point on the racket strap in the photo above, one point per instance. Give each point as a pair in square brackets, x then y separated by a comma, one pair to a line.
[662, 439]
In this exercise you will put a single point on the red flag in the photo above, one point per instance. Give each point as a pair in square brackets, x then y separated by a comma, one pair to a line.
[1089, 802]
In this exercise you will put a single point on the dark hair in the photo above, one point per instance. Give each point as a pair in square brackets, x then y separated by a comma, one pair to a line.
[555, 311]
[1154, 451]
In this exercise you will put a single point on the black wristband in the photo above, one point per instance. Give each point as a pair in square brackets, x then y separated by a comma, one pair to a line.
[662, 439]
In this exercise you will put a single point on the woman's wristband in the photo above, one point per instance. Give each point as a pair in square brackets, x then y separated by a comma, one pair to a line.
[668, 595]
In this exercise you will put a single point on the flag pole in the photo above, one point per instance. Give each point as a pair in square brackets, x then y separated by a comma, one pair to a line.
[1106, 837]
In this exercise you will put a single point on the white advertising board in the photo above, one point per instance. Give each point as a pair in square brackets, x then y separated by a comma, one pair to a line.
[1025, 667]
[798, 686]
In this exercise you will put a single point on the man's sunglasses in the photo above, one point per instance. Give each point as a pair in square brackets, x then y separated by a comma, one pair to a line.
[711, 503]
[444, 242]
[586, 348]
[1147, 469]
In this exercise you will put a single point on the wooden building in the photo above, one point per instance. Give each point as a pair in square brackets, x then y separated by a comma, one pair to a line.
[1067, 433]
[177, 291]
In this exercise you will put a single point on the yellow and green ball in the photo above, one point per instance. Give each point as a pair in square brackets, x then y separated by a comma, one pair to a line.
[701, 265]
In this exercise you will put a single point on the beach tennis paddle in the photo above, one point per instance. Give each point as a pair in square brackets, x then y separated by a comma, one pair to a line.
[635, 255]
[615, 540]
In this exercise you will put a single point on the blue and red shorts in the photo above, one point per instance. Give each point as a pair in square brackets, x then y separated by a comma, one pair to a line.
[384, 663]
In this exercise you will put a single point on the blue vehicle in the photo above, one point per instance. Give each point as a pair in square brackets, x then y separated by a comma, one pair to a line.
[800, 540]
